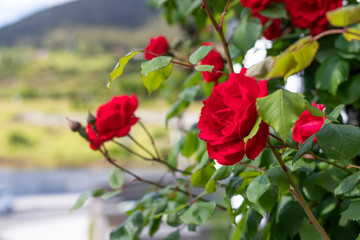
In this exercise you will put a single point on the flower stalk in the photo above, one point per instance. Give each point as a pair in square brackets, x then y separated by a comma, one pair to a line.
[298, 195]
[220, 32]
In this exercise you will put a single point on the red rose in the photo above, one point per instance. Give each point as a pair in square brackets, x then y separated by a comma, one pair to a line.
[274, 30]
[158, 45]
[213, 58]
[307, 125]
[229, 115]
[256, 5]
[311, 13]
[113, 119]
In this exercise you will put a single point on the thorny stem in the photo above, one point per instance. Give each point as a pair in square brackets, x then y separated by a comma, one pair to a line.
[140, 145]
[220, 32]
[250, 166]
[298, 195]
[151, 159]
[311, 153]
[334, 31]
[185, 64]
[223, 14]
[113, 162]
[151, 138]
[329, 162]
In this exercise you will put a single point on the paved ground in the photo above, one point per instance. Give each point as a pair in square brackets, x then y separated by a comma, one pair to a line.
[44, 217]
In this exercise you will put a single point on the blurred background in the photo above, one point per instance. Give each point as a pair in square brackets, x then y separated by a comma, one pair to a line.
[55, 59]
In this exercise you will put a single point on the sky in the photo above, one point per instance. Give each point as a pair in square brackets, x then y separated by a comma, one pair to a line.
[14, 10]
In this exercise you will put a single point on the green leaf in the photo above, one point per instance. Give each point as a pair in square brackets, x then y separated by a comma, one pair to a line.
[199, 54]
[344, 16]
[275, 10]
[233, 186]
[175, 151]
[308, 231]
[247, 32]
[160, 206]
[119, 68]
[348, 184]
[111, 194]
[281, 110]
[254, 130]
[191, 142]
[185, 98]
[84, 196]
[210, 186]
[331, 73]
[313, 110]
[282, 64]
[130, 229]
[201, 176]
[269, 198]
[173, 236]
[289, 216]
[205, 160]
[198, 213]
[277, 177]
[349, 91]
[153, 79]
[353, 211]
[352, 34]
[222, 173]
[339, 141]
[303, 51]
[257, 188]
[304, 148]
[193, 79]
[334, 115]
[154, 64]
[261, 69]
[251, 225]
[204, 68]
[116, 178]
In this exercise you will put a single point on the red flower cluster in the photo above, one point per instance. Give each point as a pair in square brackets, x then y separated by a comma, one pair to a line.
[158, 45]
[303, 14]
[307, 125]
[213, 58]
[274, 30]
[228, 117]
[113, 119]
[311, 13]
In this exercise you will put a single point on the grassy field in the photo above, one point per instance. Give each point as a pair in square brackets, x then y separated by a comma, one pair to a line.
[35, 134]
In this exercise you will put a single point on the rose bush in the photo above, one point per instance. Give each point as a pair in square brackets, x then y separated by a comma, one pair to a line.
[287, 188]
[307, 125]
[158, 45]
[113, 119]
[228, 116]
[213, 58]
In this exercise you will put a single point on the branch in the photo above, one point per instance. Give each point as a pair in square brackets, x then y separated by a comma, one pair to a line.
[298, 196]
[158, 185]
[221, 35]
[223, 14]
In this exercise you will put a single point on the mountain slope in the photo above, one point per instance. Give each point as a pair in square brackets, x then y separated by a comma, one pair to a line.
[121, 14]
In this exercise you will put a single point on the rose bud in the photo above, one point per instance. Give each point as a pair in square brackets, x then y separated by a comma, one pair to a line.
[74, 125]
[91, 119]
